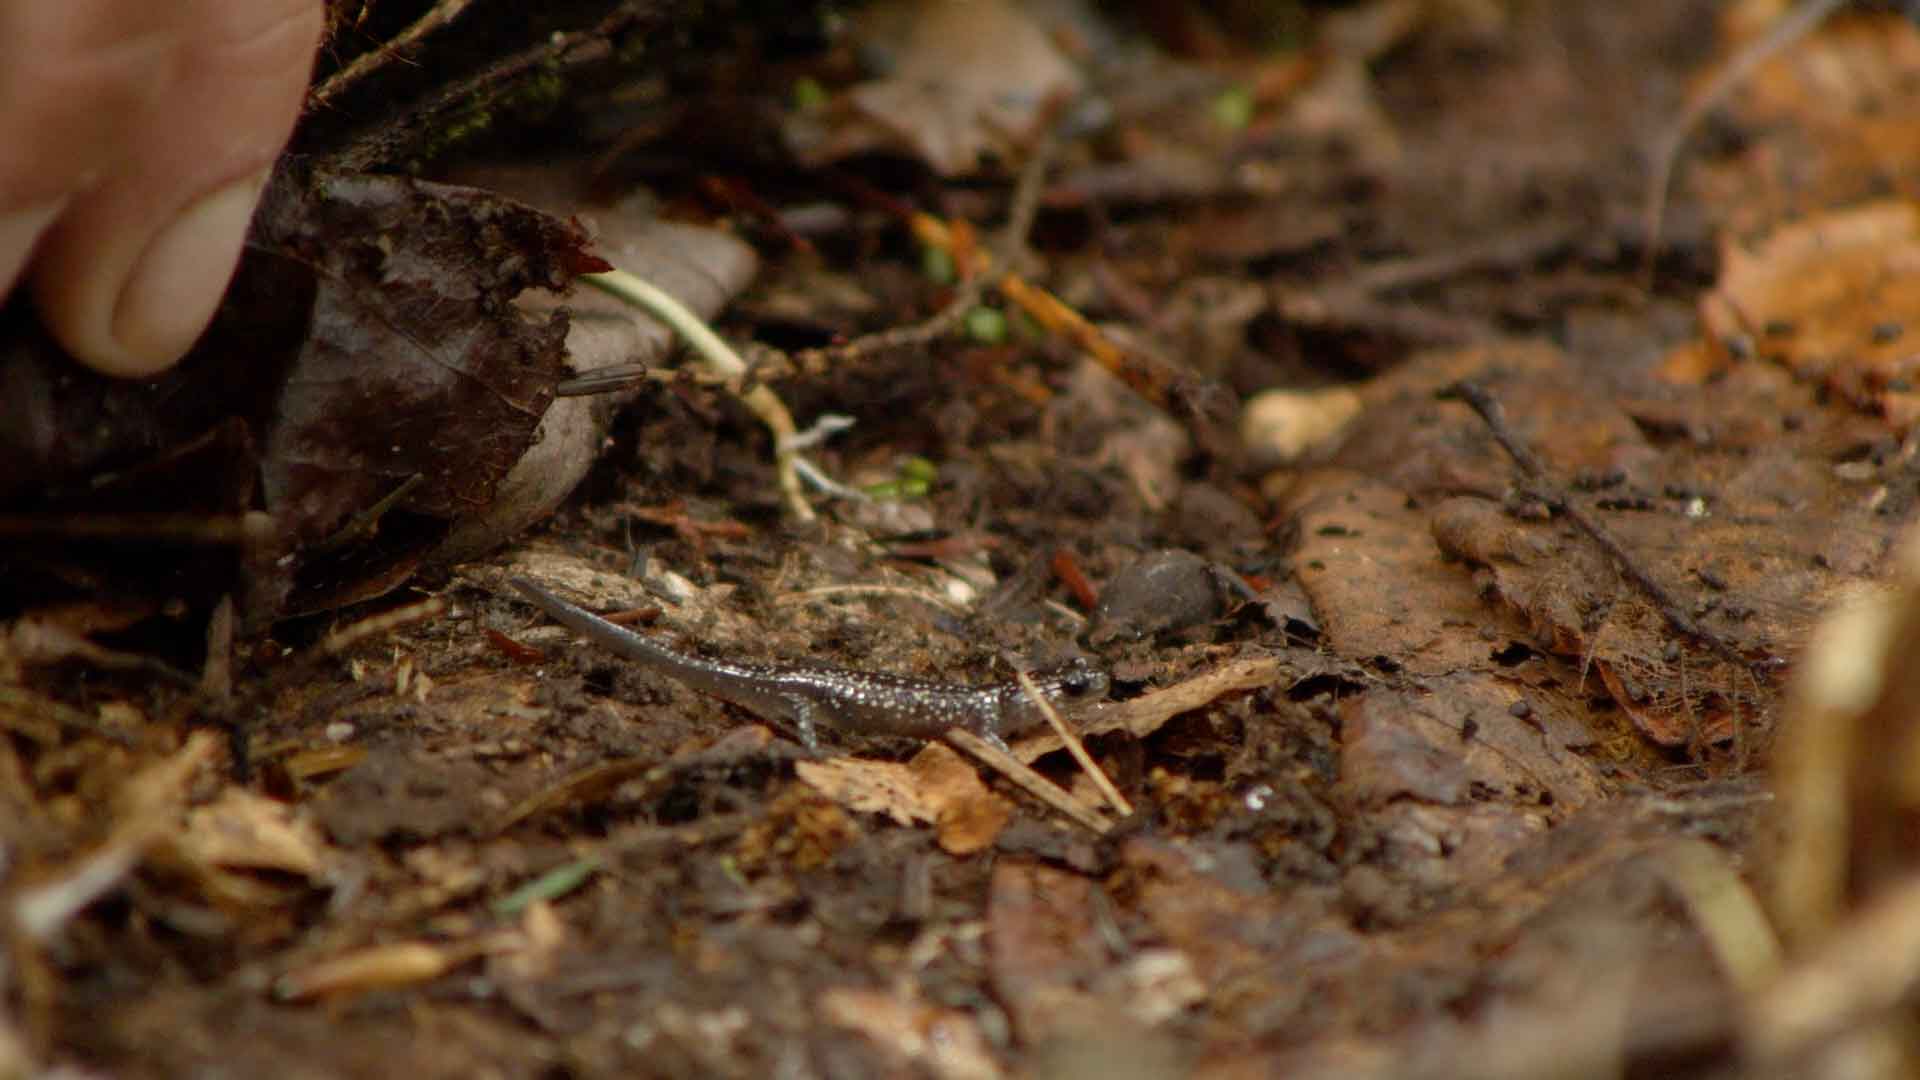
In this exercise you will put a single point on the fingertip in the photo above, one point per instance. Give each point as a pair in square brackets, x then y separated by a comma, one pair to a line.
[135, 307]
[20, 232]
[180, 278]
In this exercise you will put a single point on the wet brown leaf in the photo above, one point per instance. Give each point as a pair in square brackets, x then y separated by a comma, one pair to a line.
[415, 364]
[369, 340]
[1715, 531]
[965, 77]
[1462, 740]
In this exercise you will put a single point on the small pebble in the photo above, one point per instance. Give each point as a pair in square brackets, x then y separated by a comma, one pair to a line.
[1286, 425]
[1159, 592]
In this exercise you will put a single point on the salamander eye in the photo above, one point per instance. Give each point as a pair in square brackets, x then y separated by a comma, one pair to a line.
[1081, 680]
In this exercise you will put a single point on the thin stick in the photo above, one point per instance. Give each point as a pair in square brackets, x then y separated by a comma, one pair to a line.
[367, 522]
[367, 63]
[40, 719]
[34, 641]
[398, 137]
[1024, 207]
[1536, 488]
[1074, 746]
[1784, 32]
[1029, 781]
[352, 634]
[938, 325]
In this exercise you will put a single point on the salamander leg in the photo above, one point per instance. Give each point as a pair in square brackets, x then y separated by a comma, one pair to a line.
[806, 719]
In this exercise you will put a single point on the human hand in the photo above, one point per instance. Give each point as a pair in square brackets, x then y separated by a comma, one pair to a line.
[135, 137]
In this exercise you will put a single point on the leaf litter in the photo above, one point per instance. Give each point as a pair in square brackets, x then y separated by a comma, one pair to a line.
[1455, 786]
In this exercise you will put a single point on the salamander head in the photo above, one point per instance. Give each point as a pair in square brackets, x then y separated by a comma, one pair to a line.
[1073, 684]
[1070, 688]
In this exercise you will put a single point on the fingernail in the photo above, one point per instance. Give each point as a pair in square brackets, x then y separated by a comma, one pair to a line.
[19, 231]
[175, 286]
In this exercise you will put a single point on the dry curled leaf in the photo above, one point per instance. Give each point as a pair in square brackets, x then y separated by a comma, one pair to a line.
[937, 786]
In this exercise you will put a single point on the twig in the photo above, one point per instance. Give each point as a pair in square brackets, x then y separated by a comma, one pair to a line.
[367, 63]
[607, 380]
[721, 358]
[1344, 305]
[1074, 746]
[36, 641]
[1029, 781]
[1518, 248]
[41, 719]
[824, 427]
[1025, 205]
[1724, 910]
[352, 634]
[395, 138]
[1023, 208]
[367, 522]
[1538, 488]
[817, 362]
[597, 781]
[1785, 31]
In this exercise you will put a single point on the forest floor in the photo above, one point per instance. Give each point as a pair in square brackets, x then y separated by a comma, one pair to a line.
[1453, 547]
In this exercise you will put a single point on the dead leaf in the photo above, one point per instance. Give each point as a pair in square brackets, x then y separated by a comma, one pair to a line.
[968, 814]
[415, 364]
[869, 787]
[1382, 591]
[1834, 298]
[1826, 123]
[1378, 585]
[937, 786]
[946, 1043]
[1249, 947]
[368, 339]
[1460, 741]
[242, 830]
[965, 78]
